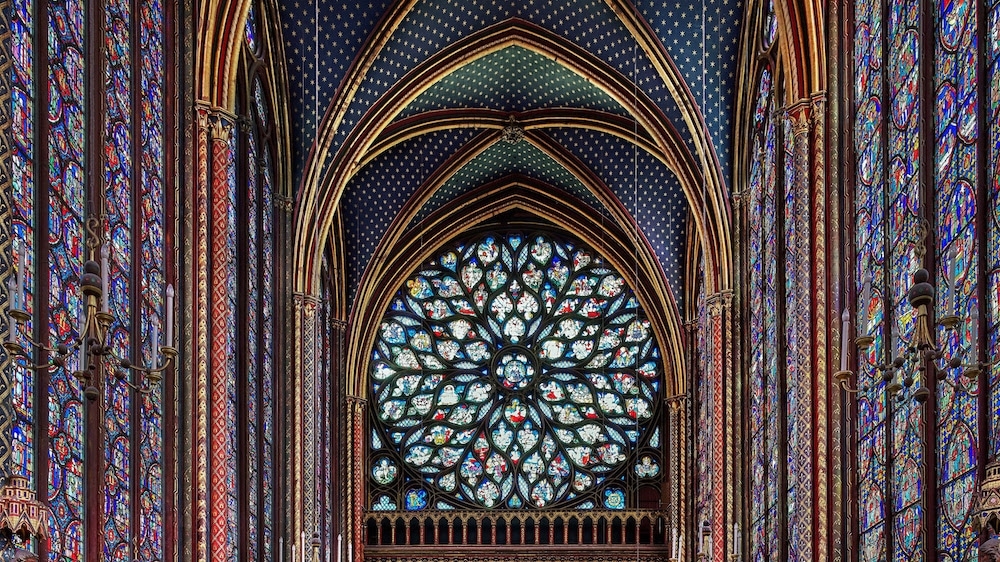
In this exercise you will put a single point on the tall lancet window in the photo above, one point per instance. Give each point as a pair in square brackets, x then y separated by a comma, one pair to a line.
[925, 118]
[79, 153]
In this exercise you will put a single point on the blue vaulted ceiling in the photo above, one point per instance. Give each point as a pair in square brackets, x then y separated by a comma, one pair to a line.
[324, 37]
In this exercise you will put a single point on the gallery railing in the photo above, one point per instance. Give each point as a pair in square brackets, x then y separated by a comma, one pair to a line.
[516, 528]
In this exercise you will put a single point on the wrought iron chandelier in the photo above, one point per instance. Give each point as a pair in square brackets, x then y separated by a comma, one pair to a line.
[96, 354]
[922, 353]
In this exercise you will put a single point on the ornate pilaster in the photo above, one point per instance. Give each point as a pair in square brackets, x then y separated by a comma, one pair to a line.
[838, 430]
[307, 306]
[821, 292]
[719, 311]
[355, 481]
[677, 412]
[208, 322]
[799, 319]
[221, 359]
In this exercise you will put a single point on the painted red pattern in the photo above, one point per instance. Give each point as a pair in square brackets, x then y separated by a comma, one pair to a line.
[718, 440]
[218, 546]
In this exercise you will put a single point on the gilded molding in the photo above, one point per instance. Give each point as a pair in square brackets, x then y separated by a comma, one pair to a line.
[802, 518]
[308, 305]
[199, 330]
[820, 288]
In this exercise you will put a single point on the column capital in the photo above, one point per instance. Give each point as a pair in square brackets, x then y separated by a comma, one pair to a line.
[719, 302]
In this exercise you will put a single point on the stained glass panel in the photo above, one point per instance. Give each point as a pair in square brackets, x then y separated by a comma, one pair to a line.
[152, 221]
[252, 333]
[765, 409]
[118, 175]
[267, 357]
[956, 110]
[250, 30]
[22, 194]
[993, 251]
[235, 484]
[903, 197]
[515, 370]
[870, 277]
[66, 204]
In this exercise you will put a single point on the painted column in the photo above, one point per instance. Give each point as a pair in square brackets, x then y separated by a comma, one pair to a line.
[310, 419]
[197, 333]
[222, 446]
[718, 311]
[355, 482]
[826, 318]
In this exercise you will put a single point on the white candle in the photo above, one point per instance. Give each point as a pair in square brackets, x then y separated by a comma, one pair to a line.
[12, 324]
[350, 551]
[155, 343]
[22, 270]
[866, 298]
[974, 318]
[951, 303]
[82, 359]
[340, 547]
[105, 275]
[736, 539]
[673, 542]
[845, 328]
[169, 313]
[281, 549]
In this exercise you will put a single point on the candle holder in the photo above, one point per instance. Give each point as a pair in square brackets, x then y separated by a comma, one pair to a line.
[922, 352]
[91, 342]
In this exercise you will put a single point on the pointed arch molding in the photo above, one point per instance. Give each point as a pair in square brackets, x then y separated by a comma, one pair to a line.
[802, 41]
[324, 181]
[220, 34]
[623, 250]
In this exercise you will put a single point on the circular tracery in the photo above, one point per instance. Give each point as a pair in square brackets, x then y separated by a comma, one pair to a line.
[514, 368]
[513, 371]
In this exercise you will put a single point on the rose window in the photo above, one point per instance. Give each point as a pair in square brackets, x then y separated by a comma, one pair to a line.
[513, 371]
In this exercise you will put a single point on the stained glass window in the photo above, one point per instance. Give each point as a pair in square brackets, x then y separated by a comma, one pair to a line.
[153, 253]
[513, 370]
[22, 194]
[66, 149]
[870, 277]
[130, 160]
[993, 251]
[250, 32]
[957, 115]
[251, 510]
[762, 322]
[888, 215]
[903, 145]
